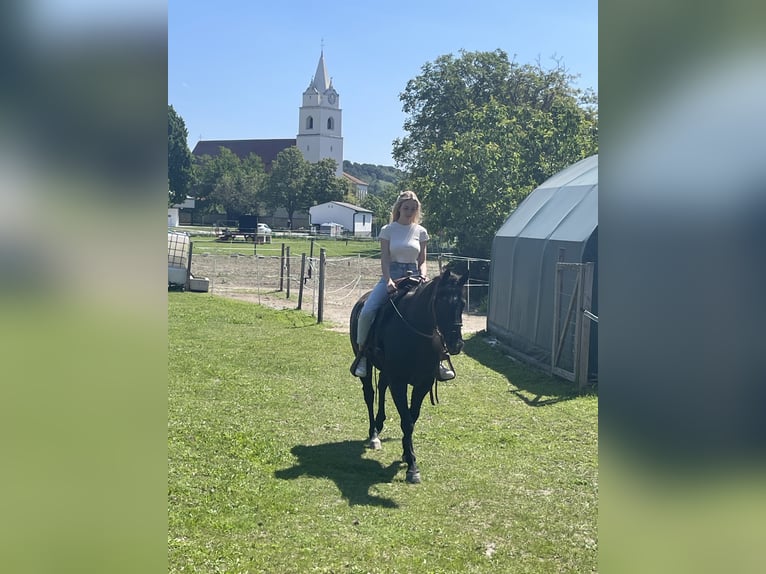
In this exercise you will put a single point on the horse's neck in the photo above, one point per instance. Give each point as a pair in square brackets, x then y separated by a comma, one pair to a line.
[418, 306]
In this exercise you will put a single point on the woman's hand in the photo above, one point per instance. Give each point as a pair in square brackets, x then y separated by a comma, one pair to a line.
[391, 286]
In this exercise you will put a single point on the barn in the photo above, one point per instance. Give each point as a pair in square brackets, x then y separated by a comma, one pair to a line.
[543, 303]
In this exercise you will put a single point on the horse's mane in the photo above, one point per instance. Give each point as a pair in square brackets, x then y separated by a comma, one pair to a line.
[425, 290]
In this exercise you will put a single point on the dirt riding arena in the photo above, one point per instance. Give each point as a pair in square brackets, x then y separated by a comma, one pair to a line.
[257, 278]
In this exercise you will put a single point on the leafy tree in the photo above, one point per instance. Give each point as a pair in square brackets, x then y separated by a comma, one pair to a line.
[323, 184]
[240, 192]
[483, 132]
[226, 184]
[380, 205]
[349, 193]
[288, 183]
[179, 159]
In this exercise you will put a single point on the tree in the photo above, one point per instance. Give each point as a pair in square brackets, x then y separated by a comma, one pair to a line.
[380, 205]
[179, 159]
[240, 190]
[323, 183]
[483, 132]
[287, 186]
[226, 184]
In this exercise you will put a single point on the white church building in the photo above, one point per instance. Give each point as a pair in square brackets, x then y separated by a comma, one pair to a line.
[320, 134]
[320, 123]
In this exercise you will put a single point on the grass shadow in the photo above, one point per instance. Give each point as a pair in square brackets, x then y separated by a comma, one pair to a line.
[533, 386]
[342, 462]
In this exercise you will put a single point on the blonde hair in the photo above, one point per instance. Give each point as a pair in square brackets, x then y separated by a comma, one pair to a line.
[405, 196]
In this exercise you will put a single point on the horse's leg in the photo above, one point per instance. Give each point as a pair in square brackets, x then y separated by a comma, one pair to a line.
[399, 394]
[419, 393]
[369, 398]
[382, 386]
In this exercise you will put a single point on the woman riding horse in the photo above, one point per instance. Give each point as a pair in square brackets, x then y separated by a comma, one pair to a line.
[409, 336]
[402, 253]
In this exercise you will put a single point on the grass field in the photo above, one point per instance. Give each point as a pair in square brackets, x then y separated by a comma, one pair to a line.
[267, 469]
[333, 247]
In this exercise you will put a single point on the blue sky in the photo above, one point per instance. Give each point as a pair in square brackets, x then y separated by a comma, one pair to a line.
[237, 69]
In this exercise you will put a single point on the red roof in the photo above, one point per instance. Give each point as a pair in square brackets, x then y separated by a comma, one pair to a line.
[267, 150]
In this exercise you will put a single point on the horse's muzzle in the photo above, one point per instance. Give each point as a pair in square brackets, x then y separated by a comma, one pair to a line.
[454, 346]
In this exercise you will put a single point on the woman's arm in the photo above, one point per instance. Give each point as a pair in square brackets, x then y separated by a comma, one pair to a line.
[422, 260]
[385, 263]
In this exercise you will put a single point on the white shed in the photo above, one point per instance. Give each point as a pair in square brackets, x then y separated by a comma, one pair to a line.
[173, 217]
[355, 219]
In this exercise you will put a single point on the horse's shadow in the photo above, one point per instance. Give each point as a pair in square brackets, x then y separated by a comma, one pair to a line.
[342, 462]
[533, 387]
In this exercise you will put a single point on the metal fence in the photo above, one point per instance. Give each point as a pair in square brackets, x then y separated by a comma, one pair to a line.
[323, 286]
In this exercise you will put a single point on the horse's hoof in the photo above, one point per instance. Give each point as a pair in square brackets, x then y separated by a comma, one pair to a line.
[413, 477]
[375, 444]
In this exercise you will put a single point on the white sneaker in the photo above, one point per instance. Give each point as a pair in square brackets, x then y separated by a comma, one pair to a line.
[445, 373]
[361, 368]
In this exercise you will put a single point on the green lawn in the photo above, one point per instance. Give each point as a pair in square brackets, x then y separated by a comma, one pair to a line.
[298, 245]
[267, 469]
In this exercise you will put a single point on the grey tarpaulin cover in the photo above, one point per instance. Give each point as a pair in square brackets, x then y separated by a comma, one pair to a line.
[558, 221]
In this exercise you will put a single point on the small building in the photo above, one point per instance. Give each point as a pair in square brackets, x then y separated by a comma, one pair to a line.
[543, 301]
[173, 220]
[360, 186]
[357, 220]
[180, 213]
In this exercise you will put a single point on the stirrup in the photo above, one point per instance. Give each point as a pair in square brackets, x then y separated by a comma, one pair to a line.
[445, 373]
[359, 361]
[361, 367]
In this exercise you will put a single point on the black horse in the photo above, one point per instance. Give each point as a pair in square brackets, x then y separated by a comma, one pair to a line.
[406, 342]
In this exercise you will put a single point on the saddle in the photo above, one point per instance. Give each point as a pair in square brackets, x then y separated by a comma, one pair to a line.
[404, 285]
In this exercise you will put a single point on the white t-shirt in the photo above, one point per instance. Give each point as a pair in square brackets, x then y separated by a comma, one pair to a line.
[404, 241]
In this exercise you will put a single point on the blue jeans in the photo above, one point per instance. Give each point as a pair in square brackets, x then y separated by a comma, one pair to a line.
[379, 296]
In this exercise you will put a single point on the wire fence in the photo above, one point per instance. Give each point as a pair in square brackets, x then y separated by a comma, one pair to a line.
[275, 274]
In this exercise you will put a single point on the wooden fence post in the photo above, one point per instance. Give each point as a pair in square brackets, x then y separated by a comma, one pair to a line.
[302, 280]
[287, 257]
[320, 303]
[282, 268]
[187, 285]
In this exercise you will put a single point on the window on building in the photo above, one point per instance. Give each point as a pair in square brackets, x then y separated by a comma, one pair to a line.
[330, 123]
[309, 123]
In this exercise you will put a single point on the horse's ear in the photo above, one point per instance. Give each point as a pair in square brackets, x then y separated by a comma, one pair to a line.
[445, 273]
[464, 279]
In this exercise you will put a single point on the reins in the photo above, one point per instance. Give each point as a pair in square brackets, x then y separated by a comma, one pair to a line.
[433, 318]
[410, 327]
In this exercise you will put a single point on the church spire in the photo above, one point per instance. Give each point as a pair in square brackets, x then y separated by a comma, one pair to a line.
[321, 82]
[320, 133]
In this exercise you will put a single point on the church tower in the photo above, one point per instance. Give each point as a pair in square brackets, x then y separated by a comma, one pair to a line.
[319, 123]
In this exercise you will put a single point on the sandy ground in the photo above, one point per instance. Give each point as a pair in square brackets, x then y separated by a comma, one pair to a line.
[336, 315]
[257, 280]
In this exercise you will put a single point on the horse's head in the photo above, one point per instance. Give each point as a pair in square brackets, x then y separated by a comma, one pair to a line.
[448, 309]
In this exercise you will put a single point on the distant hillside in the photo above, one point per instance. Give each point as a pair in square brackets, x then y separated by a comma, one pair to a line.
[379, 177]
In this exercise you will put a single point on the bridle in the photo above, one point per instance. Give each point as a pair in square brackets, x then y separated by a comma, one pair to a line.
[456, 325]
